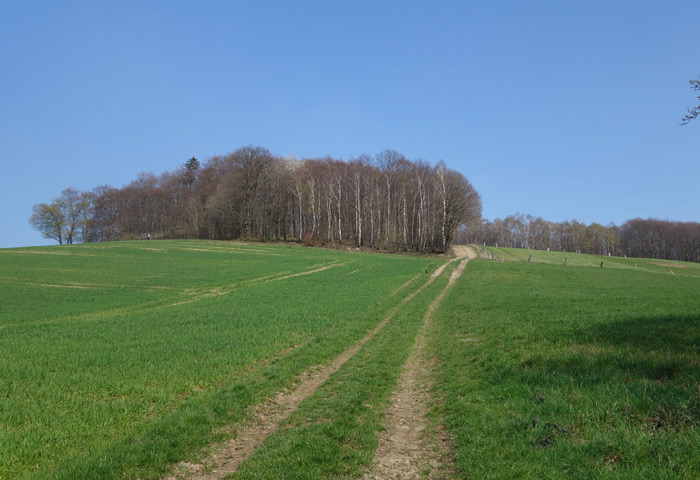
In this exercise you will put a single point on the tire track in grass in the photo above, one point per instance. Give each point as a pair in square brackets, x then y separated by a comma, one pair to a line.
[225, 458]
[402, 287]
[195, 295]
[405, 449]
[270, 278]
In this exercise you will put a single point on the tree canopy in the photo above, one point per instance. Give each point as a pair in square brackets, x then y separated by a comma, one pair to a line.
[63, 218]
[386, 202]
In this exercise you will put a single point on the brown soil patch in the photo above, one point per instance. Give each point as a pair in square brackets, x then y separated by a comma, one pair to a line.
[225, 458]
[407, 449]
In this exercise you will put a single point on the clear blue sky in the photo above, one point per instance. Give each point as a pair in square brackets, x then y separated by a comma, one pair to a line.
[565, 110]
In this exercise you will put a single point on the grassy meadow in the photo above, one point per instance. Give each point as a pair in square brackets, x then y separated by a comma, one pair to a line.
[572, 371]
[584, 260]
[120, 360]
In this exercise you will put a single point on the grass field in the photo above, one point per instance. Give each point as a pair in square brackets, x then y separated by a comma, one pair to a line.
[584, 260]
[554, 371]
[120, 360]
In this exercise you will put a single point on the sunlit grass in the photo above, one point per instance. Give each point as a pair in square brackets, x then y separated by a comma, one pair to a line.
[335, 432]
[583, 260]
[124, 357]
[120, 360]
[552, 371]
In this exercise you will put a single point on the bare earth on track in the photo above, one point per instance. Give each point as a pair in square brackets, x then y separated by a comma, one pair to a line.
[406, 449]
[226, 457]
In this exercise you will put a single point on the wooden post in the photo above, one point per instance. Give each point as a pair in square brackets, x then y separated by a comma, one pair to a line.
[530, 258]
[601, 264]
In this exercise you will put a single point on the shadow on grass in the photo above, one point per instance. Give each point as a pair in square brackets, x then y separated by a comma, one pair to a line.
[650, 366]
[621, 378]
[673, 334]
[658, 349]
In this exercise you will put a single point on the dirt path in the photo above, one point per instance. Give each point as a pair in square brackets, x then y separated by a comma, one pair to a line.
[225, 458]
[406, 450]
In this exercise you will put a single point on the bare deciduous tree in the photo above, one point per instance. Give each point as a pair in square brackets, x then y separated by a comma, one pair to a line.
[387, 202]
[695, 111]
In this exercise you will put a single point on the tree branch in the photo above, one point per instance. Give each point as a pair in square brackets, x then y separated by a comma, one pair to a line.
[692, 112]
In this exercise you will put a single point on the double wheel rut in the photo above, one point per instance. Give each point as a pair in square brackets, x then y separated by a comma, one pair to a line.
[407, 449]
[404, 451]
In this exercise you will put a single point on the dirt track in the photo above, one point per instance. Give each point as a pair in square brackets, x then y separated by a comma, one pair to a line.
[406, 449]
[403, 451]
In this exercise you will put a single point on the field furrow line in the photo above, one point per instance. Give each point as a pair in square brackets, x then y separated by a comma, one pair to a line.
[268, 416]
[405, 448]
[194, 296]
[402, 287]
[213, 292]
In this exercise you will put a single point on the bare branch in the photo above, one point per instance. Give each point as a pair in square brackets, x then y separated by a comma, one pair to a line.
[695, 111]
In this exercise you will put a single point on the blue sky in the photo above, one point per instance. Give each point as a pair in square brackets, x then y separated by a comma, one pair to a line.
[565, 110]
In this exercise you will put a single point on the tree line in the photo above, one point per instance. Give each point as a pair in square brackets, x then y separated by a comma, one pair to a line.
[385, 201]
[650, 238]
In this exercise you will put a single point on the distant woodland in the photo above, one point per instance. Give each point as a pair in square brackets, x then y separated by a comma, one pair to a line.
[385, 202]
[648, 238]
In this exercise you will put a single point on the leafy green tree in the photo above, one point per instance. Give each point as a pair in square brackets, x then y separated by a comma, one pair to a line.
[61, 219]
[49, 220]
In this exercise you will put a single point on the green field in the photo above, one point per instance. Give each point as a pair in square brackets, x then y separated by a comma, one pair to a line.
[563, 371]
[124, 357]
[120, 360]
[583, 260]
